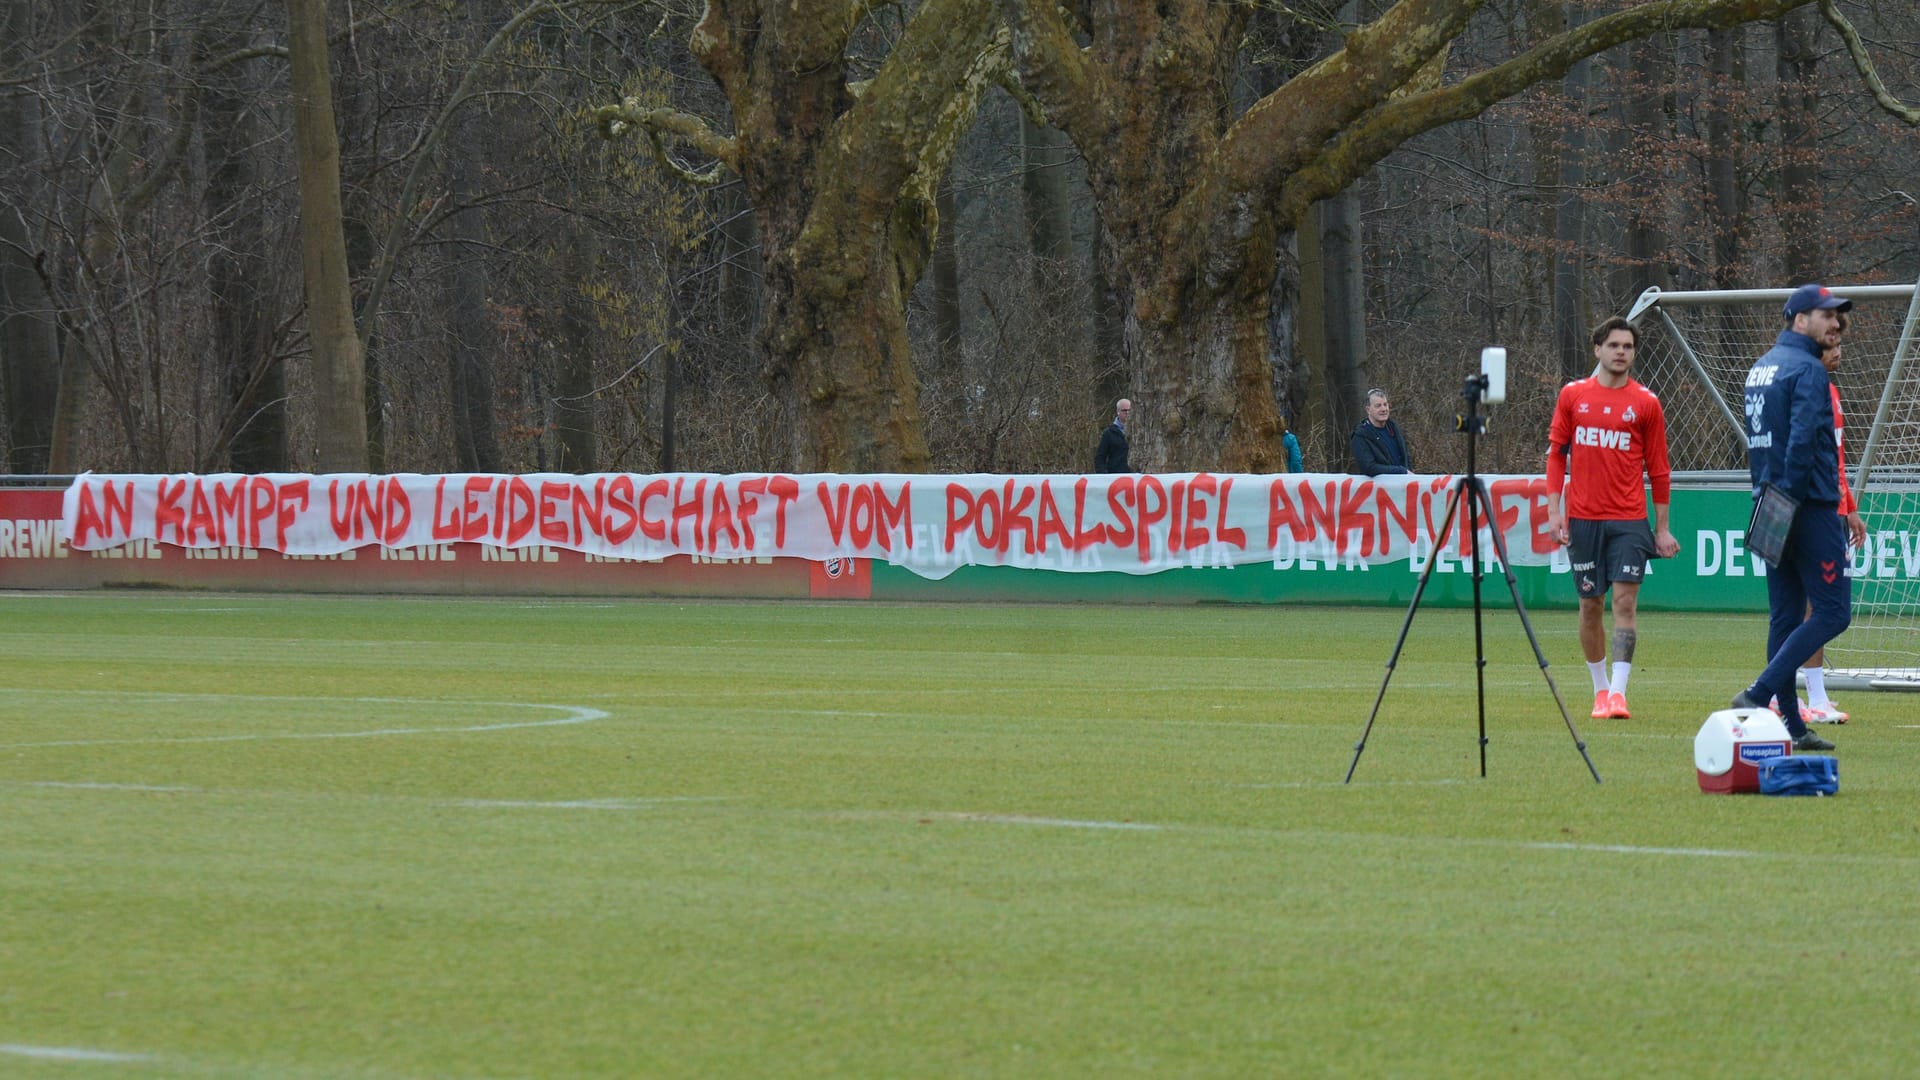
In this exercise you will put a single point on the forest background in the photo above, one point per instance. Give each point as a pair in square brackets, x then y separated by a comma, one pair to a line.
[942, 235]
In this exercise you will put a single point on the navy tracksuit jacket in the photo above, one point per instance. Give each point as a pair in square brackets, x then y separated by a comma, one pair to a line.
[1790, 445]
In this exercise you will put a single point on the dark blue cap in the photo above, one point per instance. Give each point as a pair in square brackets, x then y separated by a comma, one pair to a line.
[1808, 297]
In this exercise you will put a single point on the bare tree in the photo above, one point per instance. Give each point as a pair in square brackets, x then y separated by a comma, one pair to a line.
[29, 347]
[339, 410]
[1194, 202]
[843, 181]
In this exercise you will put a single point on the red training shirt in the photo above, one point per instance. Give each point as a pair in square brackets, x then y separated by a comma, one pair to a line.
[1847, 503]
[1612, 437]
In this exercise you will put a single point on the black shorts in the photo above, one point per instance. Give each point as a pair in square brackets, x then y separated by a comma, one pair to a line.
[1603, 552]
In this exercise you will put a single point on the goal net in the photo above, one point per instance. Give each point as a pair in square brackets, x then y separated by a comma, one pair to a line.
[1695, 351]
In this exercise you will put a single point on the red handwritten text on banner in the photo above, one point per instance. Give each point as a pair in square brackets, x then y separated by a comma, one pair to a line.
[929, 524]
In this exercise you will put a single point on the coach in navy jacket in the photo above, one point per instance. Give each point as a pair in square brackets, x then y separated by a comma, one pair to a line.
[1790, 422]
[1790, 445]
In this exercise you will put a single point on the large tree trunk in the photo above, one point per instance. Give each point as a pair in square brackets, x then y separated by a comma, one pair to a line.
[83, 320]
[98, 233]
[843, 188]
[1043, 196]
[836, 338]
[1569, 236]
[29, 342]
[252, 375]
[1648, 129]
[1312, 341]
[1726, 207]
[1141, 89]
[360, 104]
[1546, 134]
[29, 347]
[1559, 143]
[1046, 203]
[1109, 321]
[844, 191]
[740, 265]
[339, 378]
[1797, 110]
[1195, 330]
[471, 342]
[1344, 318]
[1204, 378]
[947, 326]
[573, 414]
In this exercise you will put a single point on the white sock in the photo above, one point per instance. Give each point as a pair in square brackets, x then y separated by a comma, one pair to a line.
[1621, 670]
[1817, 686]
[1598, 668]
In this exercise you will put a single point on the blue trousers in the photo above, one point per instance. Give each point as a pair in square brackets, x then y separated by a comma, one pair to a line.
[1813, 569]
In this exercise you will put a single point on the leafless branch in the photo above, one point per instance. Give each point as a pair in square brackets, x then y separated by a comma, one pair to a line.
[1858, 50]
[462, 93]
[615, 121]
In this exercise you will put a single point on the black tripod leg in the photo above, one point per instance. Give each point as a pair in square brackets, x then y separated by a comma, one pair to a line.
[1513, 590]
[1474, 502]
[1446, 523]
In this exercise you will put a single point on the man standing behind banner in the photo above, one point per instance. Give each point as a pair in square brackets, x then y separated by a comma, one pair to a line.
[1791, 448]
[1378, 447]
[1111, 455]
[1608, 430]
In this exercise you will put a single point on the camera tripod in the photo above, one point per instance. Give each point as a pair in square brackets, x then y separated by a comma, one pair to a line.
[1469, 490]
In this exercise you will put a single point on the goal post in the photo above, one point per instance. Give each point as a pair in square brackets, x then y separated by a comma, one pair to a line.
[1695, 353]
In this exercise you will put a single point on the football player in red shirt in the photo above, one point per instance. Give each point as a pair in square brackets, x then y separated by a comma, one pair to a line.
[1608, 433]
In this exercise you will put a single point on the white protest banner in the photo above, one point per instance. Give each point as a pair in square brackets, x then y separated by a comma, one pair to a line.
[929, 524]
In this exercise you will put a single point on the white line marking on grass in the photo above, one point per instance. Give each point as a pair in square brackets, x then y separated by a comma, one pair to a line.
[89, 786]
[1057, 823]
[583, 804]
[530, 606]
[729, 693]
[1375, 838]
[576, 714]
[1630, 849]
[193, 611]
[1277, 725]
[1357, 783]
[69, 1053]
[1143, 826]
[629, 802]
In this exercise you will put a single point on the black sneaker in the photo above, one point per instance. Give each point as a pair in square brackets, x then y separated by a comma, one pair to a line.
[1810, 741]
[1744, 700]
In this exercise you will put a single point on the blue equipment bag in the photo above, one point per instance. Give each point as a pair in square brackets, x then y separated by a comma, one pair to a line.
[1800, 774]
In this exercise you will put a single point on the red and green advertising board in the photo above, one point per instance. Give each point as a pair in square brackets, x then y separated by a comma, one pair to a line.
[1314, 539]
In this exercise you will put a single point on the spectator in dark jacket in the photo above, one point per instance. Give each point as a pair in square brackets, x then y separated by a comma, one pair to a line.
[1111, 457]
[1378, 448]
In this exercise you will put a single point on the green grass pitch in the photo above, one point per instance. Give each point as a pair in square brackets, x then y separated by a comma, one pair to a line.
[325, 837]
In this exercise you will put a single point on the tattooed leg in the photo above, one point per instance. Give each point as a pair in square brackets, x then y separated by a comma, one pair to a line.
[1624, 639]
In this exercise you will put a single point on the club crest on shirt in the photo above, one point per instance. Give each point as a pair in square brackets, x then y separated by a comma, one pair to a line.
[1628, 415]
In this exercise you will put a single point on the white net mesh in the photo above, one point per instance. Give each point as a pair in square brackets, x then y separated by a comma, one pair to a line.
[1695, 352]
